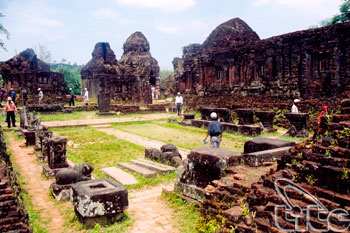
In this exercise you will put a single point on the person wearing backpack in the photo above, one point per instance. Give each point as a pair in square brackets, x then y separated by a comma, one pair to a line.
[215, 130]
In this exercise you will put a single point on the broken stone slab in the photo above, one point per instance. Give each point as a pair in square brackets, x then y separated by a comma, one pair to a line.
[157, 167]
[146, 173]
[99, 201]
[260, 144]
[119, 175]
[215, 157]
[191, 191]
[256, 159]
[60, 192]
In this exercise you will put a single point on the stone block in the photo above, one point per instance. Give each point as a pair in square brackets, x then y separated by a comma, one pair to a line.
[60, 192]
[197, 123]
[215, 157]
[104, 102]
[100, 198]
[245, 115]
[119, 175]
[29, 136]
[298, 124]
[57, 156]
[146, 173]
[157, 167]
[260, 144]
[256, 159]
[191, 191]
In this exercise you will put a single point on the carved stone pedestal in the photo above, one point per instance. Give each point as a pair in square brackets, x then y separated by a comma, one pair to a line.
[266, 119]
[188, 117]
[29, 135]
[99, 201]
[245, 116]
[61, 192]
[298, 124]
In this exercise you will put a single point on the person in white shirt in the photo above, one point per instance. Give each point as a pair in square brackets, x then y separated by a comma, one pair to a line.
[86, 96]
[40, 95]
[179, 102]
[294, 107]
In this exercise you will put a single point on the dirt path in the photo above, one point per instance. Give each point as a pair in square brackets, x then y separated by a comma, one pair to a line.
[151, 213]
[139, 140]
[35, 185]
[86, 122]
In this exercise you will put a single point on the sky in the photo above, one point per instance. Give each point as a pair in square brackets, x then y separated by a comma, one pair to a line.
[69, 29]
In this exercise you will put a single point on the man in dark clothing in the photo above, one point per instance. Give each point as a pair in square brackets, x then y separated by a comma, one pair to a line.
[13, 96]
[215, 130]
[71, 100]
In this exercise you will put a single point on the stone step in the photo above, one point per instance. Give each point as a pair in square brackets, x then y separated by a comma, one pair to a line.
[146, 173]
[119, 175]
[157, 167]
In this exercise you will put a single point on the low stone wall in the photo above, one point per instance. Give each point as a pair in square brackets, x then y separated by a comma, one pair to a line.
[13, 216]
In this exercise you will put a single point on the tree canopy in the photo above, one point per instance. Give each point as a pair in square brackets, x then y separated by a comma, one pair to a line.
[343, 16]
[72, 76]
[4, 32]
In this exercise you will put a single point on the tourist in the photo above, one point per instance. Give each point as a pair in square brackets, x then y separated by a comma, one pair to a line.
[323, 113]
[179, 102]
[294, 107]
[215, 131]
[2, 94]
[71, 100]
[86, 96]
[24, 97]
[40, 95]
[13, 95]
[10, 111]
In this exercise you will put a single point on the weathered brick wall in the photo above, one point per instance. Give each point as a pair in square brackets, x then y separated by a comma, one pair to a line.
[307, 64]
[13, 216]
[26, 71]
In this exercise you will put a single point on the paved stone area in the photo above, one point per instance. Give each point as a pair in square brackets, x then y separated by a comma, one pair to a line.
[138, 169]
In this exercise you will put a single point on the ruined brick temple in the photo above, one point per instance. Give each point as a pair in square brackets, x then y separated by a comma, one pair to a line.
[234, 67]
[26, 71]
[130, 78]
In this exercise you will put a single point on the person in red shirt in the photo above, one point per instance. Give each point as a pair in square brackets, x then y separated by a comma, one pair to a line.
[10, 112]
[323, 113]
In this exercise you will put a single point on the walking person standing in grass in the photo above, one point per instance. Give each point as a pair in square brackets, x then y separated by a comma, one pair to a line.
[10, 111]
[215, 130]
[179, 101]
[71, 100]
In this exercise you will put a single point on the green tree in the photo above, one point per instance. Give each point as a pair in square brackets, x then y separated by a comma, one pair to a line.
[164, 74]
[344, 15]
[71, 74]
[4, 32]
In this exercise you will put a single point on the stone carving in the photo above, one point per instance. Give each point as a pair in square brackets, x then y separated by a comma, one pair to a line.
[41, 132]
[130, 79]
[168, 154]
[26, 72]
[99, 201]
[223, 113]
[266, 119]
[104, 102]
[24, 97]
[246, 116]
[298, 124]
[57, 155]
[73, 175]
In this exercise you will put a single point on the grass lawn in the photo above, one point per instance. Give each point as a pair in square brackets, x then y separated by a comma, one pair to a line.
[186, 136]
[102, 150]
[81, 116]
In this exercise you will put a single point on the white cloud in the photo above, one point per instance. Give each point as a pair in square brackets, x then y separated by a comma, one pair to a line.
[167, 5]
[191, 27]
[104, 14]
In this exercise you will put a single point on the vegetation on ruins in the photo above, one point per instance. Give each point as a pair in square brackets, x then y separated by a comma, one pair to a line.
[4, 32]
[343, 16]
[72, 75]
